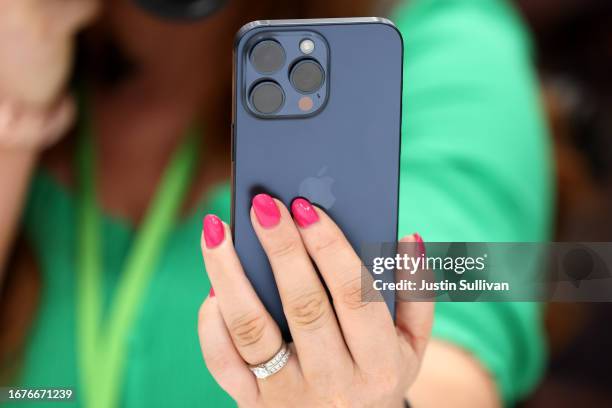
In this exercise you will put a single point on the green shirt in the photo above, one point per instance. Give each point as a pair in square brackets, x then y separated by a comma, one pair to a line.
[475, 167]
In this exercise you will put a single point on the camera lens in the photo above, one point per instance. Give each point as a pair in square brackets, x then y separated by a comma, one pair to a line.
[307, 76]
[267, 56]
[267, 97]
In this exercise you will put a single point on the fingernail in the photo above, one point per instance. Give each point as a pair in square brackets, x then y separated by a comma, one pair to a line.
[266, 211]
[214, 231]
[211, 294]
[420, 244]
[303, 212]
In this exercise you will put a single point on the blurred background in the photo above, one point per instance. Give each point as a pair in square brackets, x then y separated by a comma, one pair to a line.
[573, 53]
[573, 50]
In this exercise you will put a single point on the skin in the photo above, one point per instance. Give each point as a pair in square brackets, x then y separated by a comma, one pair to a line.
[37, 37]
[359, 359]
[40, 55]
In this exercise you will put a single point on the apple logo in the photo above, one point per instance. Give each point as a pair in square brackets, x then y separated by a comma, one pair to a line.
[319, 189]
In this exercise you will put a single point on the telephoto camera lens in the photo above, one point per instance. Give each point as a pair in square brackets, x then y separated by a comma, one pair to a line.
[267, 56]
[307, 76]
[267, 97]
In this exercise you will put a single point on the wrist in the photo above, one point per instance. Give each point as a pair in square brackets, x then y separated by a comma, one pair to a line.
[30, 129]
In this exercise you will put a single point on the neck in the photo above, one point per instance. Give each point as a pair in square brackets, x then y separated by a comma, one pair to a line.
[138, 126]
[144, 115]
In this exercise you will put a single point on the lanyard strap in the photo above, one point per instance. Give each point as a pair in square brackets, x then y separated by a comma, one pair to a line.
[102, 345]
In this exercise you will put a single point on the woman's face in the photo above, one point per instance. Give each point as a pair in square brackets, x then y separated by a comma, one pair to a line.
[155, 42]
[169, 45]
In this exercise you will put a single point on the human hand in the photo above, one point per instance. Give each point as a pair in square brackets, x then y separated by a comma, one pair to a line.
[36, 43]
[345, 353]
[36, 46]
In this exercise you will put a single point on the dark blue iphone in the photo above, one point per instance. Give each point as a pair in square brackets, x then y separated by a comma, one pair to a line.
[316, 114]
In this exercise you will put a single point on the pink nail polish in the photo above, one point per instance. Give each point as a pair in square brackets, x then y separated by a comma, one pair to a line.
[420, 244]
[266, 211]
[303, 212]
[214, 231]
[211, 294]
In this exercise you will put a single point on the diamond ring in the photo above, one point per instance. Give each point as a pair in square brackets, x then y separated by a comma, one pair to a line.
[272, 366]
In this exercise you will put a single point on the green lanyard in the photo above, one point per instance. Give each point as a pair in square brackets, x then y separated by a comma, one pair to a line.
[102, 345]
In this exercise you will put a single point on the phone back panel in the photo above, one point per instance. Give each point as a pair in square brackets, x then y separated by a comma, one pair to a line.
[345, 158]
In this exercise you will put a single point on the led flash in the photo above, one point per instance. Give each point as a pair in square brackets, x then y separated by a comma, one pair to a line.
[307, 46]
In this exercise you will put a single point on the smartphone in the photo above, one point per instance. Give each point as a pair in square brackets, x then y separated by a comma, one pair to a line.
[316, 114]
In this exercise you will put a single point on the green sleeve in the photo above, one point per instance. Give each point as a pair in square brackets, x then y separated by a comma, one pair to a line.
[476, 164]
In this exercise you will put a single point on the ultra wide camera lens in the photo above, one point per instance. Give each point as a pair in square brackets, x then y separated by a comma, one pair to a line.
[267, 97]
[267, 56]
[307, 76]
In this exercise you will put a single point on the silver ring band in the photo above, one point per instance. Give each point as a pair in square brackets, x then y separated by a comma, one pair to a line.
[272, 366]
